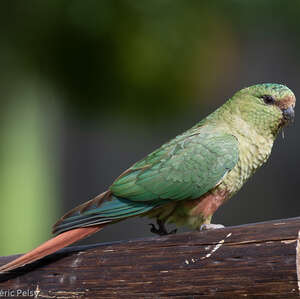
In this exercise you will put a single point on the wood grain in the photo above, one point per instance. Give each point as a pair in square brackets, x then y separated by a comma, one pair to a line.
[256, 261]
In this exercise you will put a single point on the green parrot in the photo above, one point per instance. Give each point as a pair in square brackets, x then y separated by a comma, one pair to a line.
[188, 178]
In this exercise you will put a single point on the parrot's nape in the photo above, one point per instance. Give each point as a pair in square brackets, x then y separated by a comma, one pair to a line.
[188, 178]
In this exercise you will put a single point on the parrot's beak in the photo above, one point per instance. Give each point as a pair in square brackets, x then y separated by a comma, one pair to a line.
[287, 105]
[288, 114]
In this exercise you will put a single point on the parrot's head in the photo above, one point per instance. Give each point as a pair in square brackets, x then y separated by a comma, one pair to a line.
[266, 106]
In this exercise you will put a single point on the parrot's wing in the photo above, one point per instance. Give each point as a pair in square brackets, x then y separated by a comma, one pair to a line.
[185, 168]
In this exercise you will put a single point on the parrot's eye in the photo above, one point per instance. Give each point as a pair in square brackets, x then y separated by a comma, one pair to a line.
[268, 99]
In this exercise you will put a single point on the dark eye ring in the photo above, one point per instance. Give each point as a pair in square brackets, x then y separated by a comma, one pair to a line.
[268, 99]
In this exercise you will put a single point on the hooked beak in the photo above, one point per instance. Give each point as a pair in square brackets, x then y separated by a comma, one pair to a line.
[288, 114]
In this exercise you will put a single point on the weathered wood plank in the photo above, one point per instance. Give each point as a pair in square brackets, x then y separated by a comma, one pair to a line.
[255, 260]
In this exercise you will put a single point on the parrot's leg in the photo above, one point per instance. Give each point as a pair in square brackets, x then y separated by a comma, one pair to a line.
[161, 230]
[211, 226]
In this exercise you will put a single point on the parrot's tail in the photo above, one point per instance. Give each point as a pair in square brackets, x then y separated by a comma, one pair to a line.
[81, 222]
[62, 240]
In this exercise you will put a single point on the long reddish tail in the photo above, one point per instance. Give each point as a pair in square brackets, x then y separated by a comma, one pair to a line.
[62, 240]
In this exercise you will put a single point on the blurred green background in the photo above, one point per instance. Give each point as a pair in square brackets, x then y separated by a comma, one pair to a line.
[89, 87]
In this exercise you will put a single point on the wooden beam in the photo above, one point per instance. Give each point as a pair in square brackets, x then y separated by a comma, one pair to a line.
[261, 259]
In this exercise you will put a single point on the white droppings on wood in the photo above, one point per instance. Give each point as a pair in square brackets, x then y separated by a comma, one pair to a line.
[279, 223]
[187, 262]
[164, 271]
[216, 247]
[288, 241]
[207, 247]
[298, 260]
[76, 262]
[228, 235]
[109, 250]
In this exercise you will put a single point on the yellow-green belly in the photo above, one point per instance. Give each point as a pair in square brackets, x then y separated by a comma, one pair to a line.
[253, 152]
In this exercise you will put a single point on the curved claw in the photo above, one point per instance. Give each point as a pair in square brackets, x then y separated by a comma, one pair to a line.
[153, 229]
[161, 230]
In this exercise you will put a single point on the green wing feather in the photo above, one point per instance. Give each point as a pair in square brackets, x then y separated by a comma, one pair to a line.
[184, 168]
[96, 212]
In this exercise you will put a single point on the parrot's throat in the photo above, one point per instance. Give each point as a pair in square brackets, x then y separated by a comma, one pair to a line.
[254, 150]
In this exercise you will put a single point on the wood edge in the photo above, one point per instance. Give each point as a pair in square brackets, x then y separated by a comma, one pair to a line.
[298, 261]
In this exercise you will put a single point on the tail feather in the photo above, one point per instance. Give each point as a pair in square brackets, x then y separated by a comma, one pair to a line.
[105, 208]
[82, 221]
[62, 240]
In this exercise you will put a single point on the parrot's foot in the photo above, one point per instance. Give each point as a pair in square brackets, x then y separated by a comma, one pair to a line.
[211, 226]
[161, 230]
